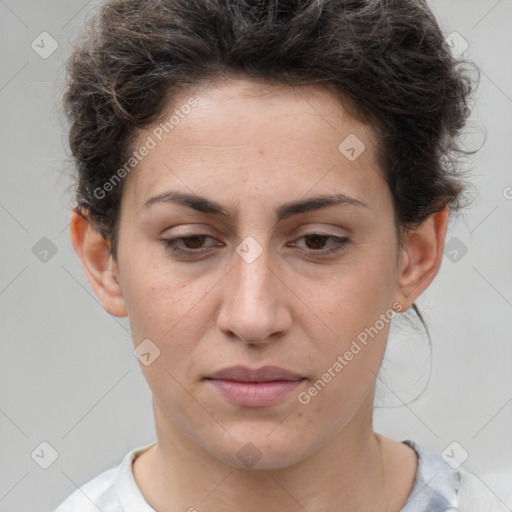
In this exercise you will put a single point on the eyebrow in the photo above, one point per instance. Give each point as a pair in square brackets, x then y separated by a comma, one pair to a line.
[283, 211]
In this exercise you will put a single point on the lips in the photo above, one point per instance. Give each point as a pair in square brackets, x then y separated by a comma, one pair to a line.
[260, 387]
[263, 374]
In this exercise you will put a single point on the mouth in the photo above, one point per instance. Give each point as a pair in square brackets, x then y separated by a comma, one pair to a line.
[264, 374]
[260, 387]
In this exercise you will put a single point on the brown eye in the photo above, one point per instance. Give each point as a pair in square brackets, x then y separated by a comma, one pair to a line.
[187, 245]
[315, 243]
[196, 241]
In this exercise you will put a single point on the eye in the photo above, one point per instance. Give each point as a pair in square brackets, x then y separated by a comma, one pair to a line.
[186, 245]
[315, 242]
[192, 244]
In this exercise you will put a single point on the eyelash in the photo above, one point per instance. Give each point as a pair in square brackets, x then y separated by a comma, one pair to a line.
[171, 244]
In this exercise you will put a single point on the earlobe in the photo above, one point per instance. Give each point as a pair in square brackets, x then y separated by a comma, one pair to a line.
[101, 271]
[421, 259]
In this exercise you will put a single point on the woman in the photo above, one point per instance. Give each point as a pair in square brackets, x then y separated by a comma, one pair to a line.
[262, 187]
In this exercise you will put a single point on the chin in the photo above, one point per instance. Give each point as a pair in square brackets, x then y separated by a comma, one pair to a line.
[255, 449]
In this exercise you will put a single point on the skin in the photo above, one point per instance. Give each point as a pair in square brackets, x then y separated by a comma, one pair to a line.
[250, 147]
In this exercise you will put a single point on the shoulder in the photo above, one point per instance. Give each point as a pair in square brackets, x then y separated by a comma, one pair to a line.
[98, 493]
[436, 483]
[114, 490]
[443, 485]
[489, 492]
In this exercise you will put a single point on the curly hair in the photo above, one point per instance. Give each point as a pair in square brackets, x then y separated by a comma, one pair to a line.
[385, 59]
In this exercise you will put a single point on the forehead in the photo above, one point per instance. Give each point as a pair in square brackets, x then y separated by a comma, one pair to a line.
[243, 134]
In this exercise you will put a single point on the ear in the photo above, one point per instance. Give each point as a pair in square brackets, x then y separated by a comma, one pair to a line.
[421, 259]
[100, 268]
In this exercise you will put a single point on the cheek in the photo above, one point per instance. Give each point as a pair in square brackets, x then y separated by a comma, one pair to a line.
[354, 295]
[175, 313]
[348, 364]
[356, 305]
[156, 295]
[171, 314]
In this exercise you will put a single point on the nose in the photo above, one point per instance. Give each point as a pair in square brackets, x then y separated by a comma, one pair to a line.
[254, 307]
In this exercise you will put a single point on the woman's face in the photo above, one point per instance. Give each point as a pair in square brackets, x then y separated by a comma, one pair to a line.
[255, 287]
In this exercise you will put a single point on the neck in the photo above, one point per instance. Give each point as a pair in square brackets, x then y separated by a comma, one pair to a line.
[349, 473]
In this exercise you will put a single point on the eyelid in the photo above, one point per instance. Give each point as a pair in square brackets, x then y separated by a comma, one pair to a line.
[340, 243]
[172, 244]
[324, 228]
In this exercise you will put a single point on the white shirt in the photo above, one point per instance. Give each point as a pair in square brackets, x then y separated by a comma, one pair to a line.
[437, 488]
[114, 490]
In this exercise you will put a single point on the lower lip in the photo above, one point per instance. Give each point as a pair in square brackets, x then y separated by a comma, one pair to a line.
[255, 394]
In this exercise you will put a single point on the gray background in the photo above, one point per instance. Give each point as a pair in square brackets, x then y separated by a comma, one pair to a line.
[68, 375]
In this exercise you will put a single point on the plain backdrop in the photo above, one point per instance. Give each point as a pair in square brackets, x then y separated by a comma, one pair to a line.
[68, 376]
